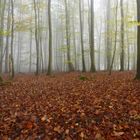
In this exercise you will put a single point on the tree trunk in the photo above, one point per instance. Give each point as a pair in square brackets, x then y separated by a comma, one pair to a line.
[36, 38]
[70, 65]
[138, 41]
[12, 41]
[115, 43]
[7, 42]
[108, 40]
[2, 12]
[50, 39]
[81, 33]
[92, 52]
[122, 38]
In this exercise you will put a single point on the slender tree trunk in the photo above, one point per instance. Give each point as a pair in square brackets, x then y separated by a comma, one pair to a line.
[2, 13]
[19, 40]
[138, 41]
[36, 38]
[122, 38]
[81, 35]
[7, 41]
[12, 41]
[30, 62]
[115, 42]
[92, 52]
[74, 40]
[108, 41]
[50, 39]
[70, 65]
[99, 31]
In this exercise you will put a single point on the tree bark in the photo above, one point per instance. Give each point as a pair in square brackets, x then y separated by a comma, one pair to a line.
[81, 35]
[92, 51]
[12, 41]
[122, 38]
[50, 39]
[36, 38]
[70, 65]
[138, 41]
[2, 12]
[115, 43]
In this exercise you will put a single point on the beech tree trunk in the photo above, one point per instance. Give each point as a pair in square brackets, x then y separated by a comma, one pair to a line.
[138, 41]
[12, 41]
[92, 52]
[70, 65]
[50, 39]
[122, 38]
[81, 35]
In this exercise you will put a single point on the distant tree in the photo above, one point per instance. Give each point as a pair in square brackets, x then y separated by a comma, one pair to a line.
[50, 38]
[92, 50]
[7, 40]
[138, 41]
[12, 41]
[108, 37]
[115, 41]
[122, 37]
[81, 35]
[70, 65]
[36, 37]
[2, 13]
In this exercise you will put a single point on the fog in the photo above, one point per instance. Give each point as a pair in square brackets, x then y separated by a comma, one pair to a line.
[71, 40]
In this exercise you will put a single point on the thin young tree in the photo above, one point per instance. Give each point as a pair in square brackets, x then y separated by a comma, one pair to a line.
[92, 49]
[50, 38]
[7, 40]
[36, 38]
[2, 13]
[12, 41]
[81, 35]
[115, 41]
[138, 41]
[122, 37]
[108, 38]
[70, 65]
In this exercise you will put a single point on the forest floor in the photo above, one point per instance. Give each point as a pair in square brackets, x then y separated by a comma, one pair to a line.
[71, 106]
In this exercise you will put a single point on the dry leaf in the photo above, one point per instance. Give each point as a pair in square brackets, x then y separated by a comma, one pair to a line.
[57, 129]
[98, 136]
[44, 118]
[82, 134]
[67, 131]
[117, 134]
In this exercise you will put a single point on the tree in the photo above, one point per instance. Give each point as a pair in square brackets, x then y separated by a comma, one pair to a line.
[115, 41]
[138, 41]
[12, 41]
[50, 38]
[70, 65]
[108, 40]
[2, 13]
[7, 41]
[122, 38]
[92, 52]
[81, 33]
[36, 38]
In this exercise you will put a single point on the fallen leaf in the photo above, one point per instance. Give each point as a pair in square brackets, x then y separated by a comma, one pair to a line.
[57, 129]
[44, 118]
[98, 136]
[117, 134]
[82, 134]
[67, 131]
[29, 125]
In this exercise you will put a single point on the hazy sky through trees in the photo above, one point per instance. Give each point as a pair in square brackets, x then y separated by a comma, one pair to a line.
[31, 29]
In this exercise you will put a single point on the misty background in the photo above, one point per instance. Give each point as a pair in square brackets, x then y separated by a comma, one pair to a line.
[24, 42]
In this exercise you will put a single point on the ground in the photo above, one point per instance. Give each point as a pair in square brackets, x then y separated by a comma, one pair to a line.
[68, 106]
